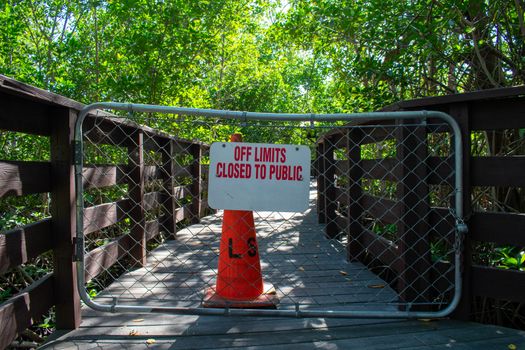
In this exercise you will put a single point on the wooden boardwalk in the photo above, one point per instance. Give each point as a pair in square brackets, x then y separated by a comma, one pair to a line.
[304, 267]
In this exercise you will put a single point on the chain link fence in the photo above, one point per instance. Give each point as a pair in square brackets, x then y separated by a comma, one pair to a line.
[380, 237]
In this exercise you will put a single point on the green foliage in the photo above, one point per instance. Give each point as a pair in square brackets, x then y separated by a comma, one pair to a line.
[380, 188]
[510, 258]
[439, 251]
[20, 146]
[323, 56]
[48, 324]
[276, 56]
[379, 150]
[388, 231]
[19, 211]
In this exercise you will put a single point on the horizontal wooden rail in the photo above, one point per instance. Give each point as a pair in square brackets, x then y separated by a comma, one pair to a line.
[498, 171]
[102, 258]
[152, 172]
[152, 229]
[507, 114]
[498, 283]
[19, 114]
[383, 169]
[104, 215]
[100, 176]
[181, 192]
[99, 131]
[440, 170]
[385, 210]
[183, 213]
[376, 134]
[336, 140]
[381, 248]
[23, 178]
[23, 309]
[116, 131]
[22, 244]
[499, 228]
[153, 200]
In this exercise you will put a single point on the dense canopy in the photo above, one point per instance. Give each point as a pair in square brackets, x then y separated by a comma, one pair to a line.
[263, 55]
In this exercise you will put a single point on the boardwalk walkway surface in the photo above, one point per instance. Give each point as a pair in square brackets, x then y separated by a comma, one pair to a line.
[305, 268]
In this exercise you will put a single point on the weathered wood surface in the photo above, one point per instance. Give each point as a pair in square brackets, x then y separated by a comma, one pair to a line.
[199, 332]
[25, 309]
[303, 265]
[296, 258]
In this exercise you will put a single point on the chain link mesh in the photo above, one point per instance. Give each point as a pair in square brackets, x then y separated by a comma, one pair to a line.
[379, 233]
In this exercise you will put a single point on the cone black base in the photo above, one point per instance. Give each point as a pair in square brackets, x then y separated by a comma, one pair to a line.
[267, 300]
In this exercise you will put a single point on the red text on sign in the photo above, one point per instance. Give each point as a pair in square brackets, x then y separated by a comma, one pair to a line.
[270, 154]
[233, 170]
[286, 172]
[242, 153]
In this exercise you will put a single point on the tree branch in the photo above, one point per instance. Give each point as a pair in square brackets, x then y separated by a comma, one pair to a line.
[519, 9]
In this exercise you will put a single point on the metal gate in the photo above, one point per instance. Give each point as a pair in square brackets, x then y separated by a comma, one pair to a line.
[381, 237]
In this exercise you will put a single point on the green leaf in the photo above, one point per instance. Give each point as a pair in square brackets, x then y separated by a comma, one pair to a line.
[513, 262]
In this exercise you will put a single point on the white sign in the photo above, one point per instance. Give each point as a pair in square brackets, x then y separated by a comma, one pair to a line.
[258, 176]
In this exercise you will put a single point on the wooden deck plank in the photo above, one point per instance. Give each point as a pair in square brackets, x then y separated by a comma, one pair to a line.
[303, 265]
[305, 268]
[207, 332]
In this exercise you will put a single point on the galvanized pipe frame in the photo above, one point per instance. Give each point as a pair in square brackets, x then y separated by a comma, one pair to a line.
[461, 228]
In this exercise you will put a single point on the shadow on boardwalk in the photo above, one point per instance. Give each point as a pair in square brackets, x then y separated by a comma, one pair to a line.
[305, 267]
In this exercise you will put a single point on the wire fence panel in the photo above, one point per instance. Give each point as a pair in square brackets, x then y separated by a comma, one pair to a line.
[381, 236]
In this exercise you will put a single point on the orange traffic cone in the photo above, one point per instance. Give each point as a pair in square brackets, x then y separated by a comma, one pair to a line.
[239, 280]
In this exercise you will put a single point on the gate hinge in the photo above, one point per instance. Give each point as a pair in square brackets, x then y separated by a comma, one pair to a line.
[77, 153]
[79, 247]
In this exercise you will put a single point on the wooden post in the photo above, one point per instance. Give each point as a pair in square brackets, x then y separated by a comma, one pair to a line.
[460, 112]
[136, 195]
[413, 228]
[196, 186]
[63, 221]
[168, 150]
[205, 175]
[329, 199]
[321, 183]
[355, 248]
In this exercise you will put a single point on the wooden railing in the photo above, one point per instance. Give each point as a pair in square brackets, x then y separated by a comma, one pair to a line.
[346, 208]
[33, 111]
[491, 112]
[137, 176]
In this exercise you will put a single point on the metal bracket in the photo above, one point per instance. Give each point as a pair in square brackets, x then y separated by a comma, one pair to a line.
[79, 246]
[244, 119]
[312, 120]
[77, 153]
[114, 302]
